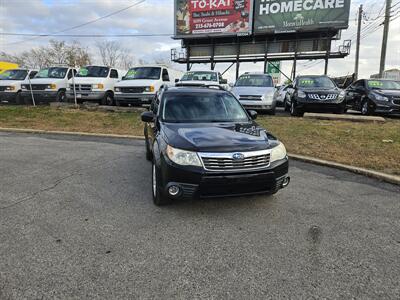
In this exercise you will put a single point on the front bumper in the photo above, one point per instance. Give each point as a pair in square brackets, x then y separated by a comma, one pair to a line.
[86, 96]
[387, 108]
[40, 95]
[7, 97]
[259, 104]
[130, 98]
[198, 183]
[320, 106]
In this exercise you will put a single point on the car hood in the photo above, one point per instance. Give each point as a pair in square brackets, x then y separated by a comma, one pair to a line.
[137, 82]
[46, 80]
[395, 93]
[10, 82]
[217, 137]
[87, 80]
[248, 90]
[321, 90]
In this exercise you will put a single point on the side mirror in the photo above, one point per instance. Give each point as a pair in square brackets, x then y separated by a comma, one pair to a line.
[231, 85]
[176, 80]
[253, 114]
[123, 77]
[223, 81]
[147, 116]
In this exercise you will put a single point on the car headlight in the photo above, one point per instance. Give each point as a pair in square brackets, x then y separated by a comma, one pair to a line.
[380, 97]
[98, 86]
[278, 152]
[183, 157]
[301, 94]
[51, 86]
[24, 87]
[117, 89]
[149, 89]
[342, 95]
[10, 88]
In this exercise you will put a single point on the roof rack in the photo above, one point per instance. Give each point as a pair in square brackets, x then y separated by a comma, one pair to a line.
[199, 85]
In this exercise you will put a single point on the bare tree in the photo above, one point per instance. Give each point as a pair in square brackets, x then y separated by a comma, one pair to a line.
[110, 52]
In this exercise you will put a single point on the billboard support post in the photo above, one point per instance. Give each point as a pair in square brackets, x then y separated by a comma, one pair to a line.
[328, 50]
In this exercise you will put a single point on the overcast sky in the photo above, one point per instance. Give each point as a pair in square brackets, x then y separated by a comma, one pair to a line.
[156, 16]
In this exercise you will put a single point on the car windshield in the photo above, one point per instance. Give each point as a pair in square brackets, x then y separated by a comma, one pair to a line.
[143, 73]
[200, 76]
[52, 73]
[315, 82]
[384, 84]
[14, 75]
[255, 80]
[202, 108]
[93, 71]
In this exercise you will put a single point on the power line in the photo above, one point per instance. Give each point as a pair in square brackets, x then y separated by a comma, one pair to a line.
[86, 35]
[80, 25]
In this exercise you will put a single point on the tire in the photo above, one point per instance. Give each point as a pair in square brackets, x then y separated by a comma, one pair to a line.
[272, 112]
[61, 96]
[108, 99]
[19, 99]
[294, 111]
[366, 108]
[286, 106]
[159, 198]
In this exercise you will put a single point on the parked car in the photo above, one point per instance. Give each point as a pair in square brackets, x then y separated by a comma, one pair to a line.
[203, 143]
[256, 91]
[373, 96]
[140, 85]
[314, 93]
[10, 84]
[198, 78]
[280, 95]
[94, 83]
[49, 84]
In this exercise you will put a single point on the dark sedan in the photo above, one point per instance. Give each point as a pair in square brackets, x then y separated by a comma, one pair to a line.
[203, 143]
[313, 93]
[373, 96]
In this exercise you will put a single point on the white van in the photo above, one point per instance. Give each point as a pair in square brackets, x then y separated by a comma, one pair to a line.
[94, 83]
[49, 84]
[11, 82]
[140, 84]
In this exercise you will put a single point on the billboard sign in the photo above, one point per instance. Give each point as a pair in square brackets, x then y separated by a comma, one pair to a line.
[212, 17]
[285, 16]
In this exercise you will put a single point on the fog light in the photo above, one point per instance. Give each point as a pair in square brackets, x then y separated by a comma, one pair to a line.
[286, 182]
[173, 190]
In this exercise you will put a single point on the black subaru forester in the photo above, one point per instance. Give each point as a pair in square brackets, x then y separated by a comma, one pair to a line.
[203, 143]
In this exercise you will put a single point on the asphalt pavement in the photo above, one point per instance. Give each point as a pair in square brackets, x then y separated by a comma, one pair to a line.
[77, 222]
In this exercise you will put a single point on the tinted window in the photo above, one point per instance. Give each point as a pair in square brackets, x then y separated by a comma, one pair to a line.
[199, 76]
[14, 75]
[165, 75]
[315, 82]
[32, 74]
[202, 107]
[383, 84]
[52, 73]
[114, 74]
[93, 71]
[255, 80]
[143, 73]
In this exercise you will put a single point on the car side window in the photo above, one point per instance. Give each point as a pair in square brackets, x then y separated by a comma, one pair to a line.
[32, 74]
[114, 74]
[165, 75]
[69, 74]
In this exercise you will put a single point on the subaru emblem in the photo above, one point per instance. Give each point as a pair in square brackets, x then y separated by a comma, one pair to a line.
[238, 156]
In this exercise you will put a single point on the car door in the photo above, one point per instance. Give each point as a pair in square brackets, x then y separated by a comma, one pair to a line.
[353, 95]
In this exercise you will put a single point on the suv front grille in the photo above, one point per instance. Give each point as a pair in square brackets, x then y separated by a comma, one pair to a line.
[36, 87]
[250, 98]
[227, 162]
[81, 87]
[323, 97]
[133, 89]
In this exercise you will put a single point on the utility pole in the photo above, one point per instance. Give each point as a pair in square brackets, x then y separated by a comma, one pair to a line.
[360, 14]
[385, 37]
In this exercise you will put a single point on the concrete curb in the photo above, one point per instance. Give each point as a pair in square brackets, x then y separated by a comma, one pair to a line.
[39, 131]
[366, 172]
[369, 173]
[343, 117]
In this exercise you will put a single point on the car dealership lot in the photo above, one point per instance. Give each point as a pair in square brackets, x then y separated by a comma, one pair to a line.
[77, 221]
